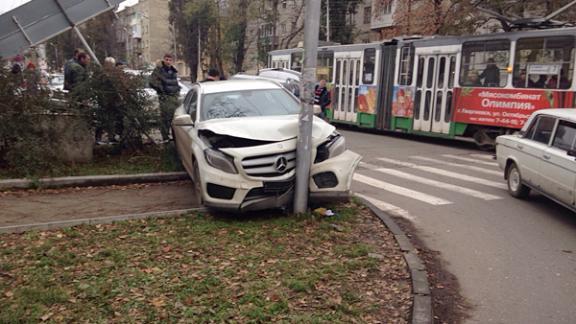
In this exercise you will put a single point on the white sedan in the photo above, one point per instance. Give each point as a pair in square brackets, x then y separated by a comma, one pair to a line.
[542, 157]
[237, 141]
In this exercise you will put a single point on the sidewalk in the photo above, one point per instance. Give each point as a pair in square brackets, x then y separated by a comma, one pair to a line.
[49, 205]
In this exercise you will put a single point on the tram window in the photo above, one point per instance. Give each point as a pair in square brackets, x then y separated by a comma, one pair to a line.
[369, 66]
[430, 73]
[296, 61]
[417, 99]
[438, 109]
[441, 71]
[544, 62]
[448, 114]
[357, 72]
[337, 76]
[406, 63]
[484, 63]
[452, 72]
[427, 104]
[325, 66]
[420, 72]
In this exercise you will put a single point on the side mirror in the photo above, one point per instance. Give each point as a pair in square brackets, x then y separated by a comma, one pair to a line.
[571, 152]
[183, 120]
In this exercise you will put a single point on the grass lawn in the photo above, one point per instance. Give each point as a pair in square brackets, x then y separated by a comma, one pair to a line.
[206, 268]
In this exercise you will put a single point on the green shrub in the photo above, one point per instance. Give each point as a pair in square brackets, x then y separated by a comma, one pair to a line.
[118, 104]
[24, 146]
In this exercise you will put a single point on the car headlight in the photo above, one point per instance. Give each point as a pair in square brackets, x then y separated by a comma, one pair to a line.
[220, 161]
[335, 146]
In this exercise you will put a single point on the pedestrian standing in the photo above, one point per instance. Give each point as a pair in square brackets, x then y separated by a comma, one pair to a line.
[78, 71]
[321, 98]
[67, 66]
[164, 80]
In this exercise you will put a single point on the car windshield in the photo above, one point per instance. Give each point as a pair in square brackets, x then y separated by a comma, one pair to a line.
[248, 103]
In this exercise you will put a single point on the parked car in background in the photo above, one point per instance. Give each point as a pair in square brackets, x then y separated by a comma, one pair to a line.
[542, 157]
[237, 141]
[56, 82]
[289, 79]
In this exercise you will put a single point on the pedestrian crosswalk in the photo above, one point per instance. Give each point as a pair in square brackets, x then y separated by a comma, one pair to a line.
[398, 185]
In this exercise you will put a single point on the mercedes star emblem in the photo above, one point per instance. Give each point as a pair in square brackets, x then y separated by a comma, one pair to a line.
[281, 164]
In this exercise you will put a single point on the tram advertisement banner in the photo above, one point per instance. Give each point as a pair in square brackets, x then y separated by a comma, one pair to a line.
[403, 101]
[367, 96]
[502, 107]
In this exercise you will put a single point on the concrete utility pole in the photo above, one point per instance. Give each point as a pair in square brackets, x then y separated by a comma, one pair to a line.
[305, 120]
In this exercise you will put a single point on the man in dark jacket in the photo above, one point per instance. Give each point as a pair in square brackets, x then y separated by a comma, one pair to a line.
[78, 71]
[67, 67]
[491, 74]
[164, 80]
[322, 98]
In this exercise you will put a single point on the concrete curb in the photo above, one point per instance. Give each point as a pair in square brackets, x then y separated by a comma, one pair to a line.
[96, 220]
[422, 307]
[86, 181]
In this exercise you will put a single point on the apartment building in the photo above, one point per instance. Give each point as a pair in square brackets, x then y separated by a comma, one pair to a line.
[144, 34]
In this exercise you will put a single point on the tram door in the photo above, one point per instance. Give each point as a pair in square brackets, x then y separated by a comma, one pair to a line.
[346, 80]
[434, 90]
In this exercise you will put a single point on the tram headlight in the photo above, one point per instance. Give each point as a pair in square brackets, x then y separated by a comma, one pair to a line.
[334, 146]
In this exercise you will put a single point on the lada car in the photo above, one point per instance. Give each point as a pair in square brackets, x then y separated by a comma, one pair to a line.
[542, 157]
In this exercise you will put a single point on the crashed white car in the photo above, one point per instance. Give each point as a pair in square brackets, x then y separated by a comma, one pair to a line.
[237, 141]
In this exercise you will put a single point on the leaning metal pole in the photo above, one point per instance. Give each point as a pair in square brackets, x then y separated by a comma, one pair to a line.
[305, 120]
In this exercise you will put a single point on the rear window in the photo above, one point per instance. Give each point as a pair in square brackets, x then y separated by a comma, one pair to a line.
[248, 103]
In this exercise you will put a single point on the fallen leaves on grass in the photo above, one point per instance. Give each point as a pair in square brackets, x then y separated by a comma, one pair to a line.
[200, 268]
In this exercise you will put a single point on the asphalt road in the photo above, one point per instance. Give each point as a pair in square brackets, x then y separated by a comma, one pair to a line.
[515, 259]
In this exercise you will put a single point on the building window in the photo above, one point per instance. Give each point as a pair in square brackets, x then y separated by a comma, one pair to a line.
[367, 15]
[284, 4]
[387, 6]
[283, 28]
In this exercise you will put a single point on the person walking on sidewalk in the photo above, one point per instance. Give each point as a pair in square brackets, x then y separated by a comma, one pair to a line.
[78, 71]
[164, 80]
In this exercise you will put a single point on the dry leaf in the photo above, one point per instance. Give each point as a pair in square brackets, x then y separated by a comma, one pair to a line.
[46, 317]
[158, 302]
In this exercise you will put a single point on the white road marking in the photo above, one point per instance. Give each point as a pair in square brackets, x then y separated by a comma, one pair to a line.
[432, 200]
[464, 166]
[433, 183]
[445, 173]
[461, 158]
[483, 156]
[388, 208]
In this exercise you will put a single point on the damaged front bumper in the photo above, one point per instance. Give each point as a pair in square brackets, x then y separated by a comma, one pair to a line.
[330, 180]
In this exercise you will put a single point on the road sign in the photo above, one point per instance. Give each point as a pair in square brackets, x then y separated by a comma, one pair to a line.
[39, 20]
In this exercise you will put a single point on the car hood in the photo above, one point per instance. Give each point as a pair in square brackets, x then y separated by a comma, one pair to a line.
[269, 128]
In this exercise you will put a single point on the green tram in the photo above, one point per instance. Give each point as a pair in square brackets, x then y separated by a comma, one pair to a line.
[467, 86]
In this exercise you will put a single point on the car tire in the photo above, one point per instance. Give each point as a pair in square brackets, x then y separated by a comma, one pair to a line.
[514, 180]
[197, 184]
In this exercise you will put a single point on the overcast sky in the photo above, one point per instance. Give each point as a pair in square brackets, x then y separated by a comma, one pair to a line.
[6, 5]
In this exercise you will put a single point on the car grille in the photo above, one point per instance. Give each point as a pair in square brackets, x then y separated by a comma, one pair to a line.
[271, 165]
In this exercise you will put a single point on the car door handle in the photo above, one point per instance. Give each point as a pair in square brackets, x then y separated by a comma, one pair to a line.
[546, 157]
[520, 147]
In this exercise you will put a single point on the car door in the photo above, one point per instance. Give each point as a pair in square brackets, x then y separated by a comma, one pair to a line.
[183, 127]
[531, 148]
[558, 168]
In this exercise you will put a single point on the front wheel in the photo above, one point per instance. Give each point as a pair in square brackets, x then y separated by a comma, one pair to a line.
[515, 186]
